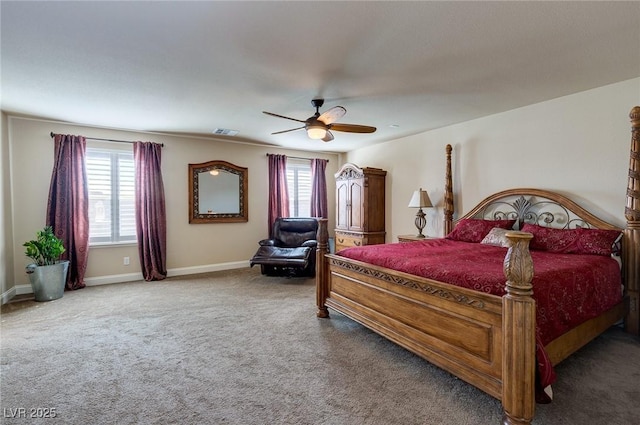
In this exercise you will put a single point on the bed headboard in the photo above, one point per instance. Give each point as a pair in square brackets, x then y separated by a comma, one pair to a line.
[537, 206]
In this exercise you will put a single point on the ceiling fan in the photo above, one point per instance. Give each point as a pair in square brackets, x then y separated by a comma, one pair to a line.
[318, 125]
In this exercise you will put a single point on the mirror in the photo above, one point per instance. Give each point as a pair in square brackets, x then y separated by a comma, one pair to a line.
[218, 193]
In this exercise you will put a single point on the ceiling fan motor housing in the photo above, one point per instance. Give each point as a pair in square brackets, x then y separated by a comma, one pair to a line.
[315, 122]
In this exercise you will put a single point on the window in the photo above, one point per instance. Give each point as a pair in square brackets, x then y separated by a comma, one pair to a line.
[110, 176]
[299, 185]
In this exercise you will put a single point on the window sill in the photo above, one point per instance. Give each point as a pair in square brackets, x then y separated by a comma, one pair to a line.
[112, 244]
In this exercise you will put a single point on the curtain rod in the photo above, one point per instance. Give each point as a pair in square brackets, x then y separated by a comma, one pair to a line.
[295, 157]
[105, 140]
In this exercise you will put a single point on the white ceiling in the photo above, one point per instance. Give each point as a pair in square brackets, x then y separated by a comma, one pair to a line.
[403, 67]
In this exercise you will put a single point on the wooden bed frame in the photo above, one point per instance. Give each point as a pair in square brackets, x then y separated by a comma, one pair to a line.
[486, 340]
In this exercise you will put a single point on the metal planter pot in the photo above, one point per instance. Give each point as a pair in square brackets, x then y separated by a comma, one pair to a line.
[48, 282]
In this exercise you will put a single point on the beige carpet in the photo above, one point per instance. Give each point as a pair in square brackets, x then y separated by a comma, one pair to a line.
[240, 348]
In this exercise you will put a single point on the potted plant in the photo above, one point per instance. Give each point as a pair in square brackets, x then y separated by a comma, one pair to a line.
[48, 275]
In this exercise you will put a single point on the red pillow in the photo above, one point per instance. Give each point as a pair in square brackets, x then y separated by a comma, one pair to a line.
[474, 230]
[572, 241]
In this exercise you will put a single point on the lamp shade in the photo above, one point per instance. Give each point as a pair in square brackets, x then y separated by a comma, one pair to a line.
[420, 199]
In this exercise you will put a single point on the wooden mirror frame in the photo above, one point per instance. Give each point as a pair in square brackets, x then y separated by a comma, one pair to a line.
[194, 197]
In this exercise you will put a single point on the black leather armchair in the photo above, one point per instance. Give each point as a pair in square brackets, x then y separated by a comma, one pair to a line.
[292, 249]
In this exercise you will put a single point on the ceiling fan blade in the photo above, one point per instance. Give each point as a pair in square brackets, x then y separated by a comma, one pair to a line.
[353, 128]
[282, 116]
[328, 137]
[332, 115]
[286, 131]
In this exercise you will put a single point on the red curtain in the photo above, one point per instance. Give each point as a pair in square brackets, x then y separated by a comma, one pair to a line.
[319, 206]
[68, 205]
[278, 193]
[151, 218]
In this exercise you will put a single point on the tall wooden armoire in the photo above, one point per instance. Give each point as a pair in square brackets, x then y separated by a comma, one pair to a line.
[359, 206]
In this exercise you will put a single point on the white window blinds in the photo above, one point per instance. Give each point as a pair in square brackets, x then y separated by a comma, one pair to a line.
[110, 175]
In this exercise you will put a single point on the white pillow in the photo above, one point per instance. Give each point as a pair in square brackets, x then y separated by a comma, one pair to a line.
[496, 237]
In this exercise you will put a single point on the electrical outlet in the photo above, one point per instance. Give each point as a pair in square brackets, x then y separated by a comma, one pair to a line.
[126, 261]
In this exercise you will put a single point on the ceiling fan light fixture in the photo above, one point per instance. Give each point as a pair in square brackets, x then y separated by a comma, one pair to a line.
[316, 131]
[319, 125]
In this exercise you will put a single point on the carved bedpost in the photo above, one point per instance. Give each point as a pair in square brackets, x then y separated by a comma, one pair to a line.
[322, 267]
[448, 195]
[518, 333]
[631, 248]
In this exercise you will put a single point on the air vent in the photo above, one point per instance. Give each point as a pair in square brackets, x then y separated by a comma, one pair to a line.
[225, 132]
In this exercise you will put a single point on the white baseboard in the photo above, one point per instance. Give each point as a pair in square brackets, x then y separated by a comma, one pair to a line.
[113, 278]
[131, 277]
[183, 271]
[8, 294]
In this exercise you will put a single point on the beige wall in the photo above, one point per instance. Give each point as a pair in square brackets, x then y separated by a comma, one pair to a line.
[577, 145]
[191, 248]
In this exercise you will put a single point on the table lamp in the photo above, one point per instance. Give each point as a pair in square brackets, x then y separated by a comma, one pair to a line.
[420, 200]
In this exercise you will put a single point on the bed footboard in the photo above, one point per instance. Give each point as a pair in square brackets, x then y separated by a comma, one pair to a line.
[483, 339]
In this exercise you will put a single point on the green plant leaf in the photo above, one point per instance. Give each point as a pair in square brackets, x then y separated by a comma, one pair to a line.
[46, 249]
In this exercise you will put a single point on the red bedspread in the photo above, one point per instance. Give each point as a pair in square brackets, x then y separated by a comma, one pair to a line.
[568, 288]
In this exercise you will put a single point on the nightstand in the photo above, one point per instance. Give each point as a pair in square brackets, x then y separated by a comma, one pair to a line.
[411, 238]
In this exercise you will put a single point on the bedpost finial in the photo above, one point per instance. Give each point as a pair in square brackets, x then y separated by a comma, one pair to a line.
[635, 116]
[518, 265]
[448, 194]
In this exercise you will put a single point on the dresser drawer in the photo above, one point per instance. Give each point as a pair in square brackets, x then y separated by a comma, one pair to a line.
[346, 239]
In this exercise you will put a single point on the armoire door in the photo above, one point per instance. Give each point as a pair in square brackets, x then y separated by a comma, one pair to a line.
[342, 204]
[356, 205]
